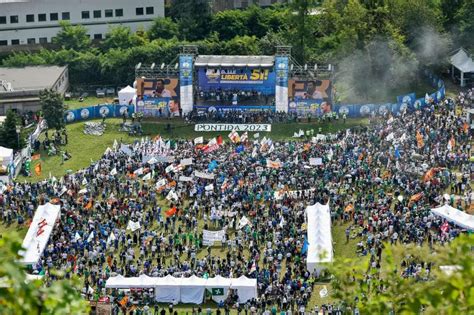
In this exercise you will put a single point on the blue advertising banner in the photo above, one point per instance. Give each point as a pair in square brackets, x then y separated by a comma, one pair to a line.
[315, 108]
[203, 108]
[407, 99]
[158, 107]
[186, 83]
[281, 90]
[243, 79]
[96, 112]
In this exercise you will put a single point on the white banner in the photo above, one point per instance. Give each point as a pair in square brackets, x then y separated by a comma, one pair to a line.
[316, 161]
[185, 162]
[209, 237]
[185, 179]
[233, 127]
[133, 225]
[203, 175]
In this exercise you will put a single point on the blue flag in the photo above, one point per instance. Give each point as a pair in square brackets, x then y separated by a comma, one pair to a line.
[239, 149]
[304, 250]
[212, 165]
[397, 153]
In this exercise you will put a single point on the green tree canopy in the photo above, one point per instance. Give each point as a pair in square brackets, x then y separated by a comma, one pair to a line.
[121, 37]
[387, 291]
[164, 28]
[53, 108]
[19, 296]
[9, 137]
[72, 37]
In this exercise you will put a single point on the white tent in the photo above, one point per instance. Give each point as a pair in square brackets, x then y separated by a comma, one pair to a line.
[455, 216]
[167, 289]
[192, 289]
[6, 156]
[218, 284]
[464, 63]
[246, 288]
[117, 282]
[126, 95]
[319, 237]
[39, 232]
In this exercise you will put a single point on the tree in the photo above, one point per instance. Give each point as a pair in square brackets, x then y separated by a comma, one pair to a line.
[193, 18]
[163, 28]
[465, 19]
[53, 108]
[229, 23]
[121, 37]
[302, 8]
[383, 290]
[72, 37]
[9, 138]
[20, 296]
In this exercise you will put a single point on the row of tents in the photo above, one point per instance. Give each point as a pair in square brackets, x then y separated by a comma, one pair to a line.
[170, 289]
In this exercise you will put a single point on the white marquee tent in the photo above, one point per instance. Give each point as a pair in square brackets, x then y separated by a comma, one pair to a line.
[192, 289]
[246, 288]
[6, 156]
[219, 282]
[39, 232]
[167, 289]
[188, 290]
[319, 237]
[126, 95]
[455, 216]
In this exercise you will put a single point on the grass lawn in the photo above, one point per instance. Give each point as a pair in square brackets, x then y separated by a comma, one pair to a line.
[74, 103]
[85, 148]
[280, 131]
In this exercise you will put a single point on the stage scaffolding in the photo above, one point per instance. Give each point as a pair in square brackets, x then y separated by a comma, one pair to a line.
[297, 71]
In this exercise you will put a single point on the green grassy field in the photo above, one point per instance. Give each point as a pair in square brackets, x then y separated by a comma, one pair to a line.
[74, 103]
[85, 148]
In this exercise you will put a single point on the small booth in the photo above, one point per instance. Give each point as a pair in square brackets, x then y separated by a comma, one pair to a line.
[6, 157]
[167, 289]
[192, 289]
[462, 67]
[219, 288]
[455, 216]
[127, 95]
[246, 288]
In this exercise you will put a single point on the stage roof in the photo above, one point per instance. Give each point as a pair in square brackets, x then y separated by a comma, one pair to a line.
[234, 61]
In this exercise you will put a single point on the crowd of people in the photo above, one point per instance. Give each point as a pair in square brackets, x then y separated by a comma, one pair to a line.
[241, 117]
[234, 96]
[373, 179]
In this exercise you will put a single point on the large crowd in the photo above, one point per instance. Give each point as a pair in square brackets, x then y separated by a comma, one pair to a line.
[373, 179]
[241, 117]
[234, 96]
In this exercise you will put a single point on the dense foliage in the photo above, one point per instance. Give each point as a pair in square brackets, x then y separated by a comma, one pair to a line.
[9, 138]
[21, 296]
[53, 109]
[383, 290]
[383, 38]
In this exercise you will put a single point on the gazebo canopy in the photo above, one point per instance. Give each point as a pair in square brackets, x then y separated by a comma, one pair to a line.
[462, 61]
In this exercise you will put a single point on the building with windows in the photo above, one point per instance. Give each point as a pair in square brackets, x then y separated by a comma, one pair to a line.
[20, 87]
[221, 5]
[37, 21]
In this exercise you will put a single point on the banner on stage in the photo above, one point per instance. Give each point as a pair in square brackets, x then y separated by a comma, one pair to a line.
[233, 127]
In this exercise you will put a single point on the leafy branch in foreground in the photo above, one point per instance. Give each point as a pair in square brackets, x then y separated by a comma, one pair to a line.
[383, 286]
[21, 296]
